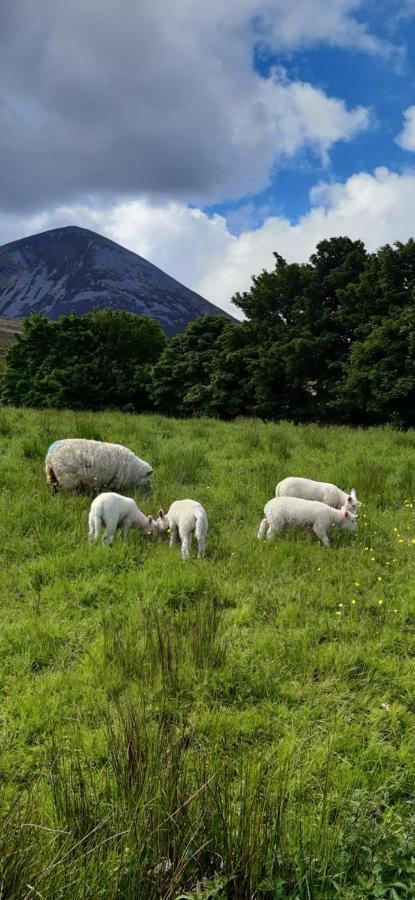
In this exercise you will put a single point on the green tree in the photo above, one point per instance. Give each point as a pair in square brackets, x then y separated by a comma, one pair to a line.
[296, 313]
[380, 382]
[181, 377]
[97, 361]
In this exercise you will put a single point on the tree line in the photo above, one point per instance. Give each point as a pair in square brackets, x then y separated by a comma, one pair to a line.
[330, 340]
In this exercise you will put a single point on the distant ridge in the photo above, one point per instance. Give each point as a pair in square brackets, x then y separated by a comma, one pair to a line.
[73, 268]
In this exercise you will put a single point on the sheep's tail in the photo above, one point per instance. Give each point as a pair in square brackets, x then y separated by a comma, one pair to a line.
[51, 477]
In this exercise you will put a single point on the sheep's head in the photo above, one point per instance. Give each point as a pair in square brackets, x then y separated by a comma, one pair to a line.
[352, 504]
[162, 523]
[348, 520]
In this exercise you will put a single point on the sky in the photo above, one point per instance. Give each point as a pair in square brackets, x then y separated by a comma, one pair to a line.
[207, 136]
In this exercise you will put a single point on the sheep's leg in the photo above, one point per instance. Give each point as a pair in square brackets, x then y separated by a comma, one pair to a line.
[321, 534]
[263, 528]
[201, 546]
[186, 540]
[173, 535]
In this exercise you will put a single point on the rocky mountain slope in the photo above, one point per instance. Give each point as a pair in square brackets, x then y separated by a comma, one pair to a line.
[75, 269]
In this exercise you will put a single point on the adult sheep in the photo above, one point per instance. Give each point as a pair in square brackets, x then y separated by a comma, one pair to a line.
[323, 491]
[76, 463]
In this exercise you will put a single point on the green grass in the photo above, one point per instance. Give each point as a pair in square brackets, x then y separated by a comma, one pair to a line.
[235, 727]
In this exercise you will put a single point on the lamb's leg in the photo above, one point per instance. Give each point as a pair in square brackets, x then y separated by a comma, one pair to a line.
[110, 529]
[125, 527]
[173, 535]
[201, 546]
[108, 535]
[200, 534]
[186, 540]
[263, 528]
[321, 534]
[274, 528]
[94, 528]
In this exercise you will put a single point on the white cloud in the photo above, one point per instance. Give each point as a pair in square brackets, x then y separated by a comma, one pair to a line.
[201, 251]
[406, 138]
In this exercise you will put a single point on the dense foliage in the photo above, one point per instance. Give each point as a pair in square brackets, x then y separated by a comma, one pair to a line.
[331, 340]
[101, 360]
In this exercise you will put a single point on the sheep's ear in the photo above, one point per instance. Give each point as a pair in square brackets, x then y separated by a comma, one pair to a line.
[353, 493]
[350, 499]
[346, 514]
[150, 520]
[161, 514]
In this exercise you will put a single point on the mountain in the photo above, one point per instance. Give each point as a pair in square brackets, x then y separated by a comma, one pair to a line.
[75, 269]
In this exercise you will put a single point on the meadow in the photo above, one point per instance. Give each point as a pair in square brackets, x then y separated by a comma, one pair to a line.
[235, 727]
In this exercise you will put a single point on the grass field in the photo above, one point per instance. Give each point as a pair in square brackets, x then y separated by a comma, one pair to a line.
[235, 727]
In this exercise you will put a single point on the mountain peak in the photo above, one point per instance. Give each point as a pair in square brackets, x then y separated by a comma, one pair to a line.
[74, 269]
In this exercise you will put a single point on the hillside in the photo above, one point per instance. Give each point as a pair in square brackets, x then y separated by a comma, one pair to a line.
[8, 330]
[75, 269]
[244, 723]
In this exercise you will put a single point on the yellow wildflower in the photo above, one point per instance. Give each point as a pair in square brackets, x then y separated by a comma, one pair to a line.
[380, 602]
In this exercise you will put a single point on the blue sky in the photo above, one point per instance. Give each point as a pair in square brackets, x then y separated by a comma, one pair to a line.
[386, 86]
[205, 137]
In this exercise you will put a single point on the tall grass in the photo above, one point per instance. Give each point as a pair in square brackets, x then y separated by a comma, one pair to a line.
[236, 727]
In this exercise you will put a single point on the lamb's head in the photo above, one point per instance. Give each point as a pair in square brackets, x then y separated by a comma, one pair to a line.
[348, 521]
[162, 523]
[151, 525]
[352, 504]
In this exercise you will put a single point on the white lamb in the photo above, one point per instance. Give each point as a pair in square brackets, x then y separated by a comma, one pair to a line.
[327, 493]
[185, 517]
[112, 511]
[76, 463]
[293, 512]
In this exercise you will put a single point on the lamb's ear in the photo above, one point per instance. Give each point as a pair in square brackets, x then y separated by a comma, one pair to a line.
[150, 520]
[353, 493]
[161, 514]
[350, 499]
[346, 514]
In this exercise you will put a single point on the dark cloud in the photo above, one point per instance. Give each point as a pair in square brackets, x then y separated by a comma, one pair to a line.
[127, 97]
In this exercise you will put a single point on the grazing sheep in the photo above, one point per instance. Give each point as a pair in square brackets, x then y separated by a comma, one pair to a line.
[185, 517]
[282, 512]
[112, 511]
[326, 493]
[76, 463]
